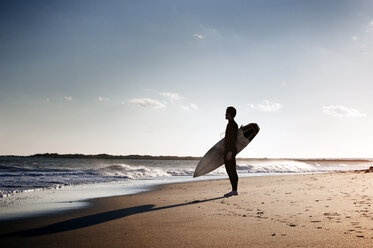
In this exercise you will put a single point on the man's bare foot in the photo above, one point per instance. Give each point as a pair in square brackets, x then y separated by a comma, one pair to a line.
[232, 193]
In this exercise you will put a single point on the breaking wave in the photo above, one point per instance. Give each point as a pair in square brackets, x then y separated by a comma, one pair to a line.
[287, 166]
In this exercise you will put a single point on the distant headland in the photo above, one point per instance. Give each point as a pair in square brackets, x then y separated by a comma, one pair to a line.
[105, 156]
[108, 156]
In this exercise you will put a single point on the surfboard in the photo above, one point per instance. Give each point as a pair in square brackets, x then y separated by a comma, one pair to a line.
[214, 157]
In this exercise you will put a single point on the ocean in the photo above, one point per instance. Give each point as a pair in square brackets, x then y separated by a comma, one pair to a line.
[31, 185]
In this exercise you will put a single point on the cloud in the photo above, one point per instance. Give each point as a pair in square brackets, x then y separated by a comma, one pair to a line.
[102, 99]
[342, 111]
[68, 98]
[193, 106]
[206, 32]
[267, 106]
[171, 96]
[198, 36]
[47, 99]
[189, 107]
[147, 103]
[355, 38]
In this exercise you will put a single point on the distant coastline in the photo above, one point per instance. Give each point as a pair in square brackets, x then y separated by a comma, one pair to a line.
[104, 156]
[108, 156]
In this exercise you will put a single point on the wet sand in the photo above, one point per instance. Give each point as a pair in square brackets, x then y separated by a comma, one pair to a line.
[315, 210]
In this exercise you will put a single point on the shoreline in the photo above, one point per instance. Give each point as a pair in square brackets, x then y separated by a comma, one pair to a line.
[306, 210]
[43, 202]
[49, 201]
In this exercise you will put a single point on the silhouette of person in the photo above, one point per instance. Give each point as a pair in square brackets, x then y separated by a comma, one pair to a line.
[230, 149]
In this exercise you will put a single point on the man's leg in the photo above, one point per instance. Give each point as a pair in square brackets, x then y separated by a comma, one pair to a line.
[230, 167]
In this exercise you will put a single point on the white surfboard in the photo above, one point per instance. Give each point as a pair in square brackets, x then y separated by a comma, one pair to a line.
[214, 158]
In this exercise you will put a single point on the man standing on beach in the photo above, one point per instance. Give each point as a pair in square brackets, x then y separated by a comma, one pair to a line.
[230, 149]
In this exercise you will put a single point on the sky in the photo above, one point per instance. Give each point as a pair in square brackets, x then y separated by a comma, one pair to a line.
[155, 77]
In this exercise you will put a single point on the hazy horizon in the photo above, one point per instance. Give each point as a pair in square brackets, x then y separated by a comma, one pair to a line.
[238, 156]
[145, 77]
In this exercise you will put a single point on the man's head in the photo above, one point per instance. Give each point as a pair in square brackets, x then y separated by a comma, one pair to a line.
[230, 113]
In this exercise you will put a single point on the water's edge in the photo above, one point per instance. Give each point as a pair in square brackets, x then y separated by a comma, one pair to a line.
[58, 201]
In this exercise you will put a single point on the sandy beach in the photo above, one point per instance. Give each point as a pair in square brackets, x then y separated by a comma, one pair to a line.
[313, 210]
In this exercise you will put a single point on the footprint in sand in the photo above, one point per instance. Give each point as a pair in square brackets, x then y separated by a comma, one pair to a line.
[331, 214]
[259, 214]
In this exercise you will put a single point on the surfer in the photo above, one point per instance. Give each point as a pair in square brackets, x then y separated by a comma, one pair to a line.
[230, 149]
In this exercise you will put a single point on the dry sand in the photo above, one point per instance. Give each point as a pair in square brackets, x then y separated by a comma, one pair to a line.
[316, 210]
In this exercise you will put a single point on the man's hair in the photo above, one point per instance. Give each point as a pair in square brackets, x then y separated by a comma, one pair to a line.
[232, 111]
